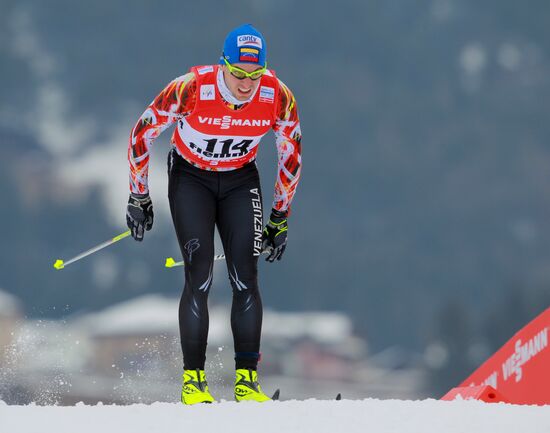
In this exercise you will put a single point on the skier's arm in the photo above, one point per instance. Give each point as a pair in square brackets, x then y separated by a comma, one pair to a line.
[175, 101]
[288, 139]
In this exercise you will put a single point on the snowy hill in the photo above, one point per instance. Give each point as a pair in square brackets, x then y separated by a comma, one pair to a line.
[377, 416]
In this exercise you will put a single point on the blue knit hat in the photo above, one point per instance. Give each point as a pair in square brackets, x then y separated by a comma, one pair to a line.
[244, 44]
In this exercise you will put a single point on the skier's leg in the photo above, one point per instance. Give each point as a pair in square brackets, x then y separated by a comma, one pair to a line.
[193, 208]
[240, 226]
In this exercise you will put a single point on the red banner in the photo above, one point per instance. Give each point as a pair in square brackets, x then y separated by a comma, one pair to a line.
[484, 393]
[520, 370]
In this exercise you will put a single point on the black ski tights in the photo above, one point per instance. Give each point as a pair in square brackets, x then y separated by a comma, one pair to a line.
[230, 200]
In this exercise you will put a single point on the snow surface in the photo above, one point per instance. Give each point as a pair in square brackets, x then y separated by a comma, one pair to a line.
[348, 416]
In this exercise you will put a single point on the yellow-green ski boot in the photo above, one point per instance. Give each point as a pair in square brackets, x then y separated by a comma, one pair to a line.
[195, 388]
[247, 387]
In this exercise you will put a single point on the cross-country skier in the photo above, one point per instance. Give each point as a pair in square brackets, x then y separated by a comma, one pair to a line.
[221, 111]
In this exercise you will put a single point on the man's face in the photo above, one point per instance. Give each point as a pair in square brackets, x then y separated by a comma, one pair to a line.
[241, 89]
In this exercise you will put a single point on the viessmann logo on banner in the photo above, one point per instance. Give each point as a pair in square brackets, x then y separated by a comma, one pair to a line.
[523, 354]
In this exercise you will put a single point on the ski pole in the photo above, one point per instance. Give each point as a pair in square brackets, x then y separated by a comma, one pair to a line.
[60, 264]
[170, 262]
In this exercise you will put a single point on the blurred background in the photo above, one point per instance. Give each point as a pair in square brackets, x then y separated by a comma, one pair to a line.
[418, 242]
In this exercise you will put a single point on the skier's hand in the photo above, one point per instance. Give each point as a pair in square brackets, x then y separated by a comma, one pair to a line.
[274, 236]
[139, 214]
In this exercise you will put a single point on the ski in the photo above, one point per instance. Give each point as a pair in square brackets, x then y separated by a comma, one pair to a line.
[277, 394]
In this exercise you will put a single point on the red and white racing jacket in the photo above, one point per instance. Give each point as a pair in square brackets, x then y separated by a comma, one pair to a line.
[212, 135]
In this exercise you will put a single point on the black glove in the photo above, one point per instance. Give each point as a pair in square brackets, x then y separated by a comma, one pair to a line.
[139, 214]
[274, 235]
